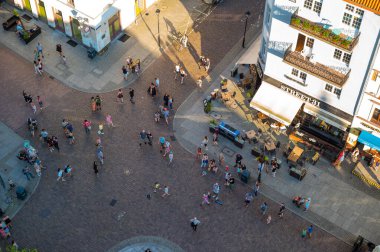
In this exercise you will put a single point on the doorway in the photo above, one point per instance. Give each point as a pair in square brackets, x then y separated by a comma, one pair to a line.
[27, 6]
[300, 42]
[42, 11]
[59, 24]
[77, 34]
[114, 26]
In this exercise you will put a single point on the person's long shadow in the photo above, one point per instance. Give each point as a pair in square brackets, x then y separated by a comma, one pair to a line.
[150, 30]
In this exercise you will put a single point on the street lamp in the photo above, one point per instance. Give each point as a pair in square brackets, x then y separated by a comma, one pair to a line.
[158, 24]
[247, 14]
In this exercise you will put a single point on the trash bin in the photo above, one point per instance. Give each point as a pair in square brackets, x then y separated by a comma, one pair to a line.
[21, 193]
[91, 53]
[244, 176]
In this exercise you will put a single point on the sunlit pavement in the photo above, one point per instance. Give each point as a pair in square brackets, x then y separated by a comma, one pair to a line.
[77, 215]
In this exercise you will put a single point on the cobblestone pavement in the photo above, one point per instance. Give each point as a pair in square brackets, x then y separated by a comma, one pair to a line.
[77, 215]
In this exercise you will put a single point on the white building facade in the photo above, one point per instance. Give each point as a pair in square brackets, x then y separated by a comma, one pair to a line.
[93, 23]
[316, 56]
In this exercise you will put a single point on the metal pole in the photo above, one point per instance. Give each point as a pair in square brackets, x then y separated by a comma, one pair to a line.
[158, 26]
[247, 14]
[245, 30]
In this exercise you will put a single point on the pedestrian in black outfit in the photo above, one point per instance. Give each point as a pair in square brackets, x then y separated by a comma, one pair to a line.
[96, 168]
[131, 95]
[194, 223]
[238, 159]
[282, 210]
[55, 142]
[166, 99]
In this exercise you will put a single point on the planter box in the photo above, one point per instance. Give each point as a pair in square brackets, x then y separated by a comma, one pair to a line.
[297, 173]
[33, 33]
[239, 143]
[10, 23]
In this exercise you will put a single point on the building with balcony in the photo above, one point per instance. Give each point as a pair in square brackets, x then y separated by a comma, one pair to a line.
[315, 57]
[91, 23]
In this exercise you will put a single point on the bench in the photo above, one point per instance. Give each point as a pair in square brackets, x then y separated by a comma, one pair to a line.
[10, 23]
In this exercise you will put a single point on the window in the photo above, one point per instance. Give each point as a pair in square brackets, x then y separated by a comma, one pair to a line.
[310, 42]
[347, 18]
[337, 54]
[357, 22]
[359, 12]
[295, 72]
[350, 8]
[308, 4]
[346, 58]
[317, 7]
[71, 2]
[376, 116]
[303, 76]
[328, 87]
[337, 91]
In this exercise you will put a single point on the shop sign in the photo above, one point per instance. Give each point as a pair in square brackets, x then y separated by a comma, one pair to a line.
[370, 127]
[301, 96]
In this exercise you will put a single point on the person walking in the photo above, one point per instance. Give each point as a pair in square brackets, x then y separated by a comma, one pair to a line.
[194, 223]
[207, 64]
[131, 95]
[269, 219]
[166, 99]
[307, 204]
[93, 104]
[143, 137]
[95, 167]
[100, 156]
[40, 102]
[98, 103]
[36, 69]
[248, 198]
[39, 49]
[26, 171]
[177, 70]
[124, 69]
[205, 142]
[68, 171]
[55, 142]
[40, 66]
[238, 159]
[120, 96]
[109, 120]
[183, 75]
[149, 136]
[221, 159]
[167, 148]
[199, 82]
[216, 190]
[309, 231]
[171, 156]
[264, 208]
[170, 102]
[87, 125]
[34, 108]
[281, 211]
[215, 137]
[60, 175]
[204, 162]
[101, 129]
[256, 188]
[206, 199]
[166, 192]
[157, 82]
[44, 135]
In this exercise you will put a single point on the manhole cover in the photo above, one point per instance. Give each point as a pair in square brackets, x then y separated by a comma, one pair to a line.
[113, 202]
[44, 213]
[228, 151]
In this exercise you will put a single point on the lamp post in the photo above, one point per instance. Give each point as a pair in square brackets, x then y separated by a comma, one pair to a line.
[247, 14]
[158, 27]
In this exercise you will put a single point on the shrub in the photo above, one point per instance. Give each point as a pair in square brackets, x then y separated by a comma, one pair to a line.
[296, 21]
[306, 25]
[317, 29]
[325, 33]
[346, 43]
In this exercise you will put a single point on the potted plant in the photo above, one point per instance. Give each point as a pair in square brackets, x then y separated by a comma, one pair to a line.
[296, 21]
[213, 125]
[306, 25]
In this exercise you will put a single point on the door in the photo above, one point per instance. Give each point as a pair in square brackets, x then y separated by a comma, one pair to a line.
[114, 25]
[27, 6]
[59, 25]
[300, 42]
[77, 35]
[42, 11]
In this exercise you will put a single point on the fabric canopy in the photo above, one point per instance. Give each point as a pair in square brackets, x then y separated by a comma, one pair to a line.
[275, 103]
[369, 140]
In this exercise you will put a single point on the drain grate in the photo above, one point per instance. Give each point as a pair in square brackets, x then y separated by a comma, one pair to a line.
[113, 202]
[72, 43]
[124, 38]
[26, 17]
[228, 151]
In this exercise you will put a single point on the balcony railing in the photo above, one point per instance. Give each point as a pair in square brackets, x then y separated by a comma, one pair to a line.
[314, 68]
[318, 30]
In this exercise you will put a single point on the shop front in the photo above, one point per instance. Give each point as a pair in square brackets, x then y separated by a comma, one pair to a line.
[312, 122]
